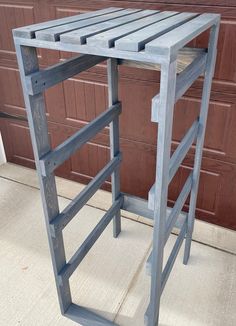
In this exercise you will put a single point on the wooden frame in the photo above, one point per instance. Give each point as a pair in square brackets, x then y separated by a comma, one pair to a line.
[151, 49]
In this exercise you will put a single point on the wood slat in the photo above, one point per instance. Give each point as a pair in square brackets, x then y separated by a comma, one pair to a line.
[29, 31]
[136, 41]
[107, 39]
[53, 34]
[79, 36]
[177, 38]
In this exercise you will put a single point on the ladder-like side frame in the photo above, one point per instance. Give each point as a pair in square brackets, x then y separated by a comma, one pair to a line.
[171, 89]
[34, 82]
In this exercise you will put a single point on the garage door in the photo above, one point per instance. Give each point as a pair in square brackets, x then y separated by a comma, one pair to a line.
[70, 105]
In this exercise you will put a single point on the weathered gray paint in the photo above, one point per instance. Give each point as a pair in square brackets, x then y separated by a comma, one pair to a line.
[79, 36]
[163, 52]
[43, 79]
[112, 79]
[51, 160]
[210, 67]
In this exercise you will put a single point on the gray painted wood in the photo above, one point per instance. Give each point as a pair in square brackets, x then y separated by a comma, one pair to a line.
[176, 210]
[174, 40]
[136, 41]
[184, 58]
[167, 95]
[43, 79]
[136, 205]
[112, 79]
[81, 36]
[50, 161]
[79, 255]
[35, 107]
[29, 31]
[172, 257]
[160, 51]
[53, 33]
[182, 149]
[86, 317]
[184, 80]
[60, 222]
[210, 67]
[139, 206]
[107, 39]
[85, 49]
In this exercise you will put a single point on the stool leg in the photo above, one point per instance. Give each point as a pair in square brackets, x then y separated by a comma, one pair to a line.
[209, 72]
[165, 114]
[35, 106]
[112, 74]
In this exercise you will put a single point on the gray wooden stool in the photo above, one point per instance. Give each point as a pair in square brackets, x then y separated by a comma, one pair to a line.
[142, 38]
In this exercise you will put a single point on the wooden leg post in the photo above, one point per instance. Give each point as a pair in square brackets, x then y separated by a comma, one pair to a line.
[209, 72]
[112, 74]
[167, 99]
[35, 106]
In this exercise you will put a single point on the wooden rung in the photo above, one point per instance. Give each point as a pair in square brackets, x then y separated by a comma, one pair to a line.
[176, 210]
[60, 222]
[183, 81]
[183, 148]
[177, 158]
[171, 259]
[79, 255]
[61, 153]
[39, 81]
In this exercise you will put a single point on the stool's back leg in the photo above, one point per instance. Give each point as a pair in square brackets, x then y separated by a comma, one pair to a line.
[167, 99]
[35, 106]
[209, 72]
[112, 74]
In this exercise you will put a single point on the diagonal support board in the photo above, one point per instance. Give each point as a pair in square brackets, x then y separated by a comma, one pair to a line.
[43, 79]
[60, 222]
[62, 152]
[79, 255]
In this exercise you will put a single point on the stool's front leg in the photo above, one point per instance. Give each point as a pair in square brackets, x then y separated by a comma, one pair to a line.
[209, 72]
[112, 76]
[165, 114]
[35, 107]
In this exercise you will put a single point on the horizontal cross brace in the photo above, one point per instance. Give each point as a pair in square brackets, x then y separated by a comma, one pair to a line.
[136, 205]
[50, 161]
[139, 206]
[43, 79]
[183, 81]
[171, 259]
[79, 255]
[184, 59]
[60, 222]
[86, 317]
[183, 148]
